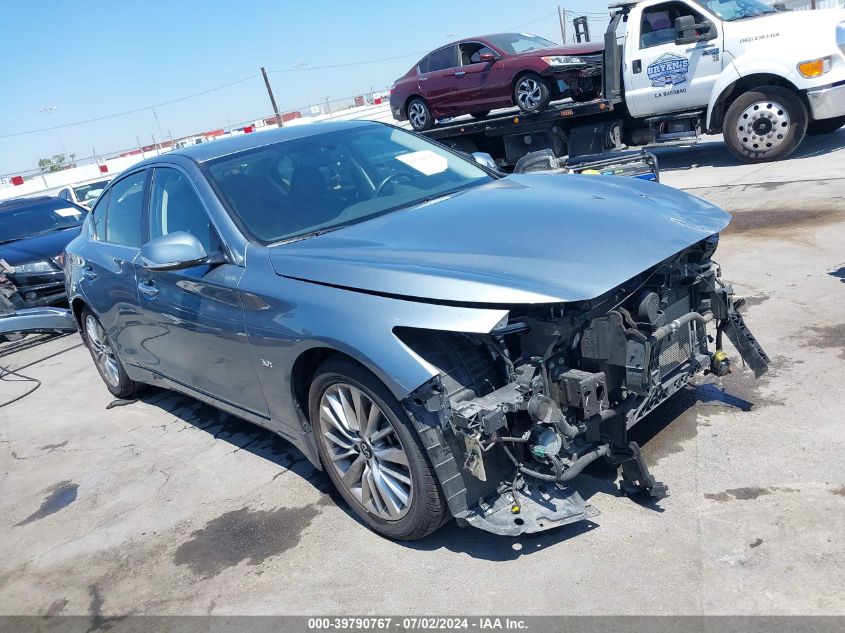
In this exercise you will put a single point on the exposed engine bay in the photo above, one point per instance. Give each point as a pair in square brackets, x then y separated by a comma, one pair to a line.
[517, 414]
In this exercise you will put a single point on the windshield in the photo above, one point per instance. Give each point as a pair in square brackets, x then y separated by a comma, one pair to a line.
[737, 9]
[304, 186]
[19, 220]
[513, 43]
[89, 192]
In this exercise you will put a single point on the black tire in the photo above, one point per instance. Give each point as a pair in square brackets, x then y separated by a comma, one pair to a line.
[419, 114]
[825, 126]
[427, 509]
[777, 122]
[121, 387]
[480, 114]
[540, 93]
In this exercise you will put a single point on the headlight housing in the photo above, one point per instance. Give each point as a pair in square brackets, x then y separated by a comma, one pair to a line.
[33, 267]
[563, 61]
[814, 67]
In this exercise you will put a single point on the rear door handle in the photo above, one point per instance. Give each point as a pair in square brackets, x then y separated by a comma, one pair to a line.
[88, 273]
[460, 73]
[148, 289]
[422, 78]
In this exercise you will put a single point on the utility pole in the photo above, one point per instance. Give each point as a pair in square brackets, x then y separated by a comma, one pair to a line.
[561, 14]
[272, 98]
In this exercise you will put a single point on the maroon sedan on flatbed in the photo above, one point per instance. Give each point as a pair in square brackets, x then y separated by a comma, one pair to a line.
[480, 74]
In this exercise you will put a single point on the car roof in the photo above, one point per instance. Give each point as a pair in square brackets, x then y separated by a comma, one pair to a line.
[16, 203]
[224, 147]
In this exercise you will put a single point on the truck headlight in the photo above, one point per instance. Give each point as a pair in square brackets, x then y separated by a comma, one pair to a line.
[559, 61]
[814, 67]
[33, 267]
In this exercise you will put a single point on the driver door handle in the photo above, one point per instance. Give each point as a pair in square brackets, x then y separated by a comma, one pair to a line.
[148, 289]
[637, 66]
[460, 73]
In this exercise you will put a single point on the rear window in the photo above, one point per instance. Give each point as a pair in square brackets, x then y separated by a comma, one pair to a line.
[442, 59]
[23, 219]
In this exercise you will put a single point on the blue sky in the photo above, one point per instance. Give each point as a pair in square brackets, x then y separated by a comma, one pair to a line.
[94, 59]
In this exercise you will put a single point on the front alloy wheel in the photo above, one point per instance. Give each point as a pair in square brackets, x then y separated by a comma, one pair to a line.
[370, 449]
[365, 451]
[532, 93]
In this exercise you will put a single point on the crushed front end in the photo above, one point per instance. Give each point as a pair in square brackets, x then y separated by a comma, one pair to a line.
[516, 415]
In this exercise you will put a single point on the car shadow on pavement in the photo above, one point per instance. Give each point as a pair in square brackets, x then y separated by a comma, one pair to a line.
[715, 153]
[241, 435]
[670, 424]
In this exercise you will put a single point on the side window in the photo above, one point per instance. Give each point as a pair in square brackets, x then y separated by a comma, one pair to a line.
[175, 206]
[98, 216]
[442, 59]
[126, 204]
[422, 68]
[474, 58]
[658, 23]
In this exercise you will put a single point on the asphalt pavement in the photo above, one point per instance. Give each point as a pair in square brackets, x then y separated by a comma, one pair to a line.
[167, 506]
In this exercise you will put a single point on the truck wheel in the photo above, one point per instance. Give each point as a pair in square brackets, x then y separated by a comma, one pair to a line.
[825, 126]
[765, 124]
[372, 453]
[105, 357]
[532, 93]
[419, 114]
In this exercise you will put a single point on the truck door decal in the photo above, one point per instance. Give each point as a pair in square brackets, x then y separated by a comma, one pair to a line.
[668, 70]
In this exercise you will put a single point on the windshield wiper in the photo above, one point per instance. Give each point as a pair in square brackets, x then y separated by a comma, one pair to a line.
[305, 236]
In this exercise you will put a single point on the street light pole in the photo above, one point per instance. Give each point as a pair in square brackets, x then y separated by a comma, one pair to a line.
[51, 110]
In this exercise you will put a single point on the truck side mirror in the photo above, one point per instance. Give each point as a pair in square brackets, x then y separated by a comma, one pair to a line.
[688, 31]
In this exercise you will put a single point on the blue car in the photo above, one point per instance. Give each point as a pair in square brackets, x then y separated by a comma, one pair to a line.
[33, 234]
[442, 340]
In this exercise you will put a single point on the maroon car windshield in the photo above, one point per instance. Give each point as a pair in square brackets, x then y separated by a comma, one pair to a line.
[515, 43]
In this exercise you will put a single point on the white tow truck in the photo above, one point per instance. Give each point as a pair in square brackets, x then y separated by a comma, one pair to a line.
[761, 75]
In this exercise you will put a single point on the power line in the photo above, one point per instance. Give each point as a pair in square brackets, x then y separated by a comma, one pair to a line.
[127, 112]
[297, 69]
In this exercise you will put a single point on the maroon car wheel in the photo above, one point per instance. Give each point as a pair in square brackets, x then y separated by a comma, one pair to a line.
[419, 114]
[531, 93]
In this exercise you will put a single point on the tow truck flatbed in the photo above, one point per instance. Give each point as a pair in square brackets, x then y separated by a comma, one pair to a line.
[514, 120]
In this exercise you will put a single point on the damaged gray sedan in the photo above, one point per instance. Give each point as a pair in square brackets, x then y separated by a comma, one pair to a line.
[441, 340]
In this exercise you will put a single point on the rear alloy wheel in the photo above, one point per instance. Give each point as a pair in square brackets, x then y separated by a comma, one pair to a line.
[419, 114]
[532, 93]
[105, 357]
[765, 124]
[371, 452]
[825, 126]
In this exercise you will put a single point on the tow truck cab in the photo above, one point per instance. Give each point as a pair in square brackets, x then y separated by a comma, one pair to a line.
[762, 76]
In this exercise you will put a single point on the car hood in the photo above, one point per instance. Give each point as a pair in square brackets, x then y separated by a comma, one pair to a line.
[522, 239]
[585, 48]
[38, 248]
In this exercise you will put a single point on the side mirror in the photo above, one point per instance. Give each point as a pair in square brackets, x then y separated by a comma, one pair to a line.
[486, 57]
[485, 160]
[173, 252]
[688, 31]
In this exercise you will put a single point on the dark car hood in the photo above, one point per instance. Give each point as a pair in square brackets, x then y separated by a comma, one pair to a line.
[522, 239]
[585, 48]
[39, 247]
